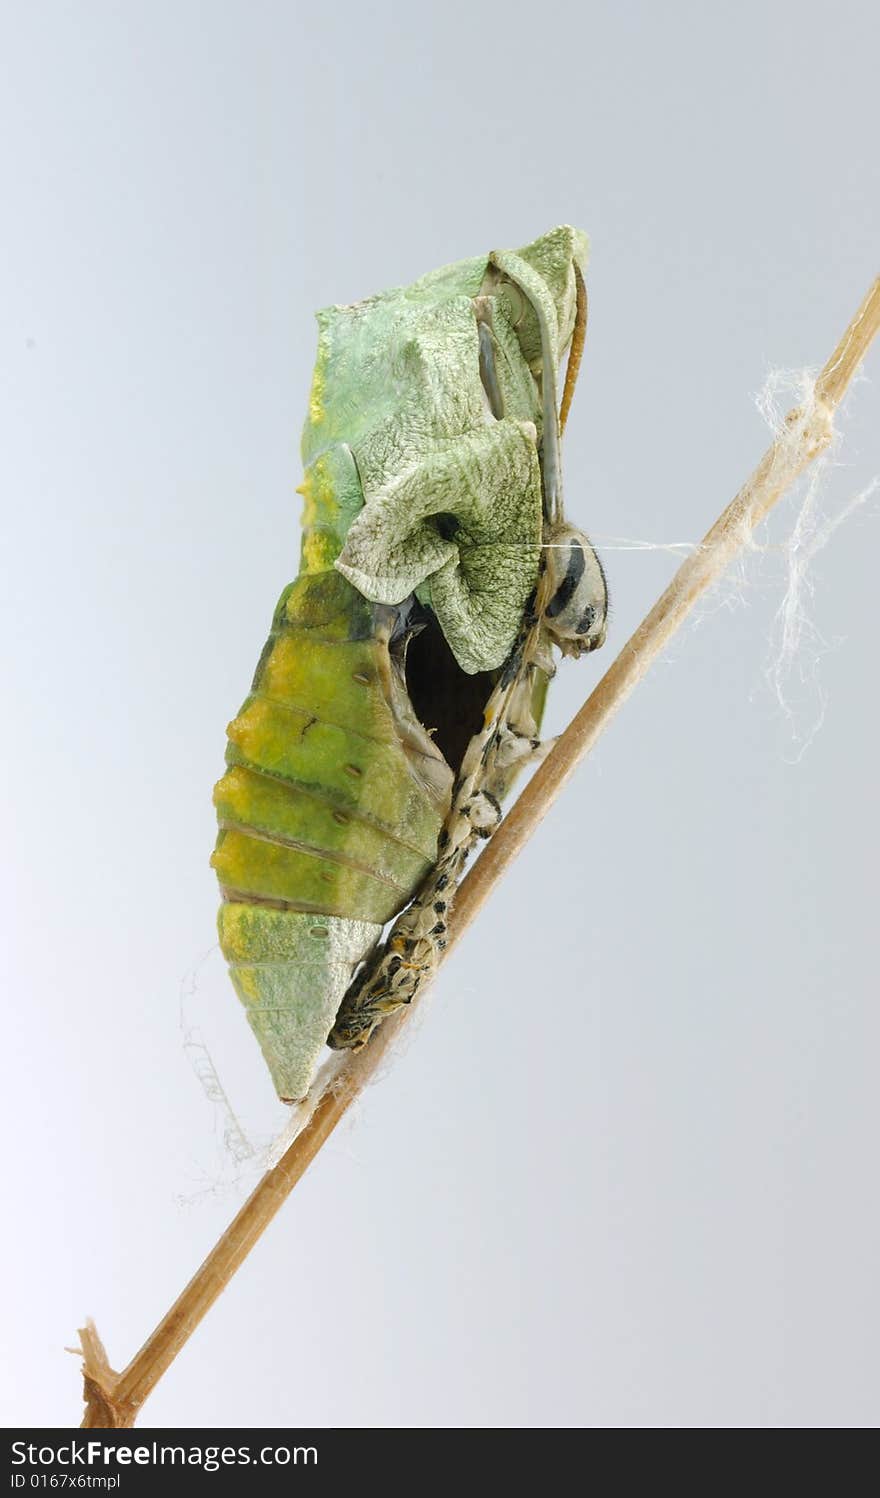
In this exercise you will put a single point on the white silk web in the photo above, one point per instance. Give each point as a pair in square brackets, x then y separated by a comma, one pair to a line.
[798, 642]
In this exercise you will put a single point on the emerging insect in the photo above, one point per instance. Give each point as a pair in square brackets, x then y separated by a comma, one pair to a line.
[402, 685]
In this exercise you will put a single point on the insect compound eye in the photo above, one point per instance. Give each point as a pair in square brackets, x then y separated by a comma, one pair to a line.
[576, 609]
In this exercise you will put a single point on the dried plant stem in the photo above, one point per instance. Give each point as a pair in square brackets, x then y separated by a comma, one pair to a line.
[113, 1400]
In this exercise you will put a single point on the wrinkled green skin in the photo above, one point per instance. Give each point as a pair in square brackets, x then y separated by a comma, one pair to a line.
[334, 796]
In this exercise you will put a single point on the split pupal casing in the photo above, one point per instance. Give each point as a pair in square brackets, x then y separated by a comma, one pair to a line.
[423, 519]
[329, 815]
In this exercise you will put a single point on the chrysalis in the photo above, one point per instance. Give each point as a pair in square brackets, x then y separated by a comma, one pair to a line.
[402, 685]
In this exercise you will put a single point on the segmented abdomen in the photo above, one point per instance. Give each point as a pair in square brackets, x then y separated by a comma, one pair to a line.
[329, 815]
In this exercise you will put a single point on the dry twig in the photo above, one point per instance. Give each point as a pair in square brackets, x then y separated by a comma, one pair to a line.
[113, 1400]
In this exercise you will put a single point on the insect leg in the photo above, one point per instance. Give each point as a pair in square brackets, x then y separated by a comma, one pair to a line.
[392, 976]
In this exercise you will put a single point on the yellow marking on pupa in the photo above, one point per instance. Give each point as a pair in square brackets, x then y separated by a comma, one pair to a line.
[319, 550]
[317, 408]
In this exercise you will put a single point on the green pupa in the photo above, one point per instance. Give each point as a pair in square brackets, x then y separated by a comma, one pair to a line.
[402, 684]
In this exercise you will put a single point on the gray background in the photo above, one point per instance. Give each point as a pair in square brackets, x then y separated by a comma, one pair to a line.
[625, 1172]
